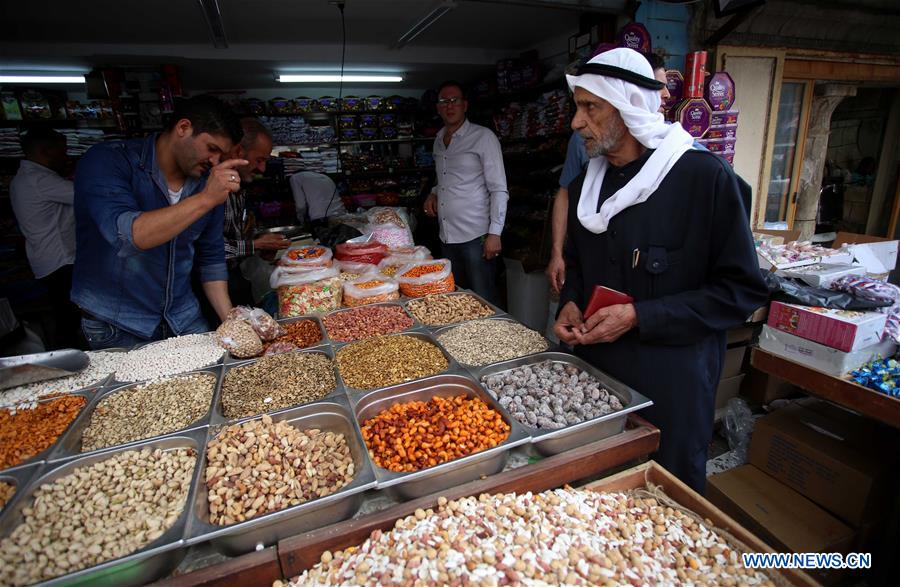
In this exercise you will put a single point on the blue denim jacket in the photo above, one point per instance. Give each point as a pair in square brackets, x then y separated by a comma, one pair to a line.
[113, 279]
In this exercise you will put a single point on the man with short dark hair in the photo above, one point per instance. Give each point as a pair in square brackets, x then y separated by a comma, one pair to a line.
[470, 197]
[255, 147]
[142, 209]
[42, 202]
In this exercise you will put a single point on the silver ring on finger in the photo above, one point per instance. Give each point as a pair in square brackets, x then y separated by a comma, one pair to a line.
[233, 178]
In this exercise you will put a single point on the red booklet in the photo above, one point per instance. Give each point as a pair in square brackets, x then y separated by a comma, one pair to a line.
[603, 297]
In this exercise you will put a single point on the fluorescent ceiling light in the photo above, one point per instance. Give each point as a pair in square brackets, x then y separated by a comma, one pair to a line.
[425, 22]
[336, 78]
[41, 79]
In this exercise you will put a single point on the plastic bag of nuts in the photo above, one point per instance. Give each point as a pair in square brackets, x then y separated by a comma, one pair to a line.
[370, 290]
[239, 339]
[426, 277]
[264, 325]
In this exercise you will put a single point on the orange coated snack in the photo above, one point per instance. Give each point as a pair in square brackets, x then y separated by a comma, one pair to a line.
[415, 435]
[28, 432]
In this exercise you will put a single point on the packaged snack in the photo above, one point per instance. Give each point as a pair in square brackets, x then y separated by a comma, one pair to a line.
[307, 256]
[426, 277]
[370, 290]
[390, 264]
[264, 325]
[720, 91]
[694, 74]
[239, 339]
[239, 313]
[371, 252]
[355, 267]
[315, 291]
[694, 116]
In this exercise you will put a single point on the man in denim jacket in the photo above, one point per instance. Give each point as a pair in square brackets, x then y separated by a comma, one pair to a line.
[142, 209]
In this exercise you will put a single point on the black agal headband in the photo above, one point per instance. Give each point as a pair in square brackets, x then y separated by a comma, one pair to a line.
[619, 73]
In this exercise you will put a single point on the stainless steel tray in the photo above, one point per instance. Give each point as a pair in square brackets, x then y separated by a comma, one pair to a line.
[334, 415]
[497, 311]
[452, 473]
[19, 478]
[416, 325]
[505, 318]
[41, 457]
[229, 358]
[69, 444]
[421, 334]
[147, 564]
[217, 415]
[37, 367]
[551, 442]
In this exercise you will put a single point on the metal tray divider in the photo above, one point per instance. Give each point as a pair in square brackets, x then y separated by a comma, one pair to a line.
[245, 536]
[160, 556]
[70, 441]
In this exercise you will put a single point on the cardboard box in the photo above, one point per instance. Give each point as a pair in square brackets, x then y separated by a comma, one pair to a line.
[778, 515]
[786, 236]
[760, 315]
[734, 362]
[840, 329]
[826, 459]
[763, 388]
[823, 274]
[727, 389]
[818, 356]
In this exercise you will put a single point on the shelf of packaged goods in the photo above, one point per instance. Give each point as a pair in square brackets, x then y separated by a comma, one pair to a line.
[848, 394]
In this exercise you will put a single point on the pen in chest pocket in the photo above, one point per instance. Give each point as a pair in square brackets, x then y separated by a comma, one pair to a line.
[635, 258]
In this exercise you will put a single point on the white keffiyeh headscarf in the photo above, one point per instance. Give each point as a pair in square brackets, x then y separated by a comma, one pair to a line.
[639, 110]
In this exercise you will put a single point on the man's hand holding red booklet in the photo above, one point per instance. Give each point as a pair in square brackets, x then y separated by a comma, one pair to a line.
[603, 297]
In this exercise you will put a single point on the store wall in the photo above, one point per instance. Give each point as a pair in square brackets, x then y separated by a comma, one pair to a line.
[857, 128]
[668, 26]
[756, 81]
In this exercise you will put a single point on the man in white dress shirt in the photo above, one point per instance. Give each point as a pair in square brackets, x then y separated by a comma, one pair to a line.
[42, 202]
[470, 197]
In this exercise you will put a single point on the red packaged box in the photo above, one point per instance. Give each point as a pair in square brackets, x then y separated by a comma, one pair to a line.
[695, 74]
[844, 330]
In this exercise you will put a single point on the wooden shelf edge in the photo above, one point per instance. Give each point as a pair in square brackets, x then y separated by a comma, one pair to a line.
[855, 397]
[256, 568]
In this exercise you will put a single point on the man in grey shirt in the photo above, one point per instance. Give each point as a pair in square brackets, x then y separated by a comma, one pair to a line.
[315, 196]
[470, 197]
[42, 201]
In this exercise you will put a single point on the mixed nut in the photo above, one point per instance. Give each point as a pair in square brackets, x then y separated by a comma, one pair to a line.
[260, 467]
[482, 342]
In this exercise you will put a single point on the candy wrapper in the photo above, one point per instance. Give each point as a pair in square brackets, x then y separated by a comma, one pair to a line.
[881, 375]
[878, 292]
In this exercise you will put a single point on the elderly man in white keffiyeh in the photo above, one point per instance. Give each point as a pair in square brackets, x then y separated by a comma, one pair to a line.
[656, 219]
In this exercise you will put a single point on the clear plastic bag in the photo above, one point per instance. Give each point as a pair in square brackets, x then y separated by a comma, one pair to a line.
[388, 215]
[391, 235]
[307, 292]
[370, 290]
[238, 338]
[370, 252]
[264, 325]
[239, 313]
[308, 256]
[426, 277]
[738, 427]
[277, 348]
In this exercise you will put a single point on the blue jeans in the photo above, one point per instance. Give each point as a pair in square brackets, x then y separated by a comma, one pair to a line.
[471, 270]
[103, 335]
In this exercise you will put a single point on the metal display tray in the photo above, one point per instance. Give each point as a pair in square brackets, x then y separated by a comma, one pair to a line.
[41, 457]
[18, 477]
[415, 484]
[69, 444]
[217, 414]
[147, 564]
[332, 414]
[423, 335]
[505, 318]
[416, 325]
[554, 441]
[324, 341]
[459, 292]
